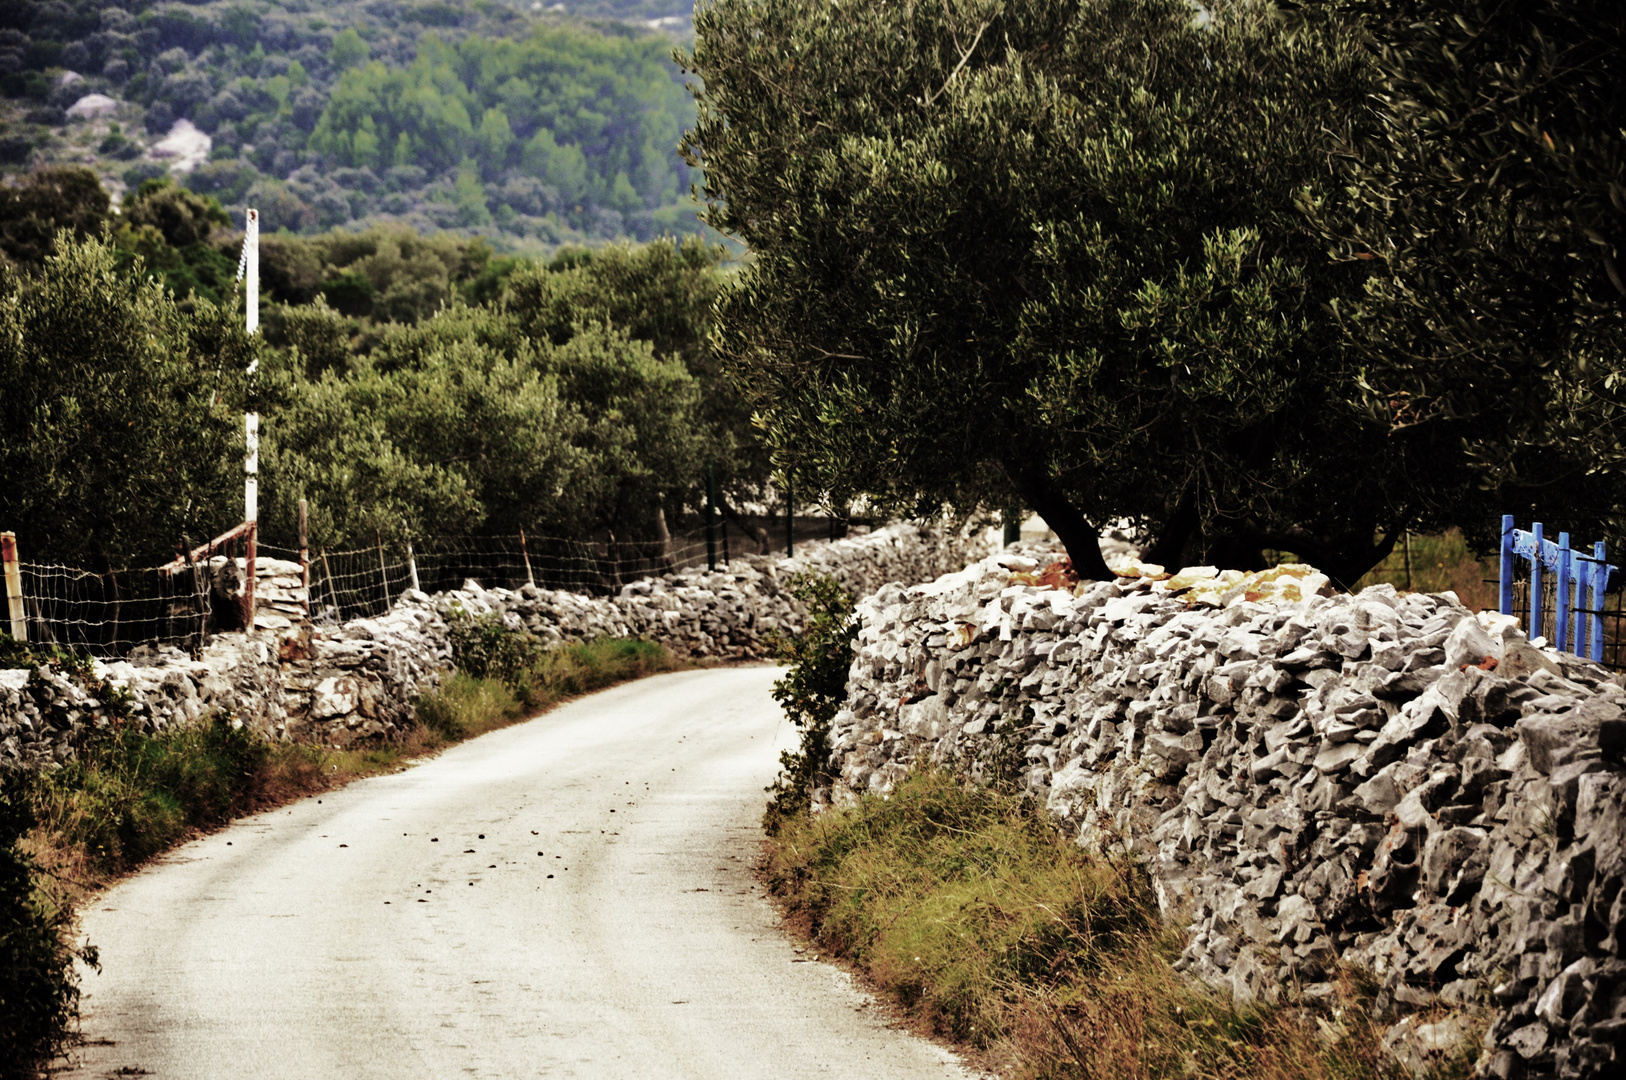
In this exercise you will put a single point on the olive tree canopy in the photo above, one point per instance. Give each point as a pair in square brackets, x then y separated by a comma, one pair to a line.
[1053, 252]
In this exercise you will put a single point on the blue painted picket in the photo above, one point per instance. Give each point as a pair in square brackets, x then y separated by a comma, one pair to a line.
[1582, 580]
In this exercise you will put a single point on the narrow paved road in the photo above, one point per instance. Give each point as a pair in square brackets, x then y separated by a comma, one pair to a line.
[568, 897]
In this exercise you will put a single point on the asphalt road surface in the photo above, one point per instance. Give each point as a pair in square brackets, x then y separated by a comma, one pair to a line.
[569, 897]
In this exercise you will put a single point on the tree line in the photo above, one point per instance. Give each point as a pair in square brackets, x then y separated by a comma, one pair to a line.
[531, 125]
[462, 395]
[1260, 277]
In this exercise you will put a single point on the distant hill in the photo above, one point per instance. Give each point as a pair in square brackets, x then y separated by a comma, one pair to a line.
[534, 123]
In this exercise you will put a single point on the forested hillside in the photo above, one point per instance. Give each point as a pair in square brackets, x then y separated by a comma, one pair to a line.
[535, 124]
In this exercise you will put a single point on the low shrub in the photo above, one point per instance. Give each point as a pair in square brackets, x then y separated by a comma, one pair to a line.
[970, 909]
[486, 649]
[812, 689]
[39, 992]
[128, 797]
[465, 705]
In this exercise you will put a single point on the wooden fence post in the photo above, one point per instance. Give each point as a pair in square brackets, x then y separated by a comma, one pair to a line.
[192, 578]
[305, 556]
[250, 572]
[1505, 593]
[790, 518]
[327, 572]
[383, 575]
[711, 517]
[524, 551]
[412, 566]
[14, 586]
[1535, 581]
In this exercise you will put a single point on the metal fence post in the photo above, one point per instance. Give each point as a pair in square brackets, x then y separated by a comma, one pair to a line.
[1505, 597]
[1561, 609]
[711, 516]
[251, 571]
[14, 586]
[1535, 581]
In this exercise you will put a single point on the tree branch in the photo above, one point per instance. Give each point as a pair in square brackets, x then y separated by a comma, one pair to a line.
[966, 56]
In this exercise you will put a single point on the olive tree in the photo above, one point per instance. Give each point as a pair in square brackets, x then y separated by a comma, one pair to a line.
[120, 413]
[1490, 204]
[1051, 252]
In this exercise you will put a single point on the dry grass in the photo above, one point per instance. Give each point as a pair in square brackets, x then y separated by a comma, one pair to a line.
[967, 908]
[1439, 563]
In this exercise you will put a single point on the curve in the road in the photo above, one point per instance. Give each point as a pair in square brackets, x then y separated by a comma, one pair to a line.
[568, 897]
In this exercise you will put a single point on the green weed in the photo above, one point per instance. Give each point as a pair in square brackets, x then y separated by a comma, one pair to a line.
[812, 690]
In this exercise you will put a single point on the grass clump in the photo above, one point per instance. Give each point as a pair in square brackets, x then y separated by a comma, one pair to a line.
[126, 798]
[487, 650]
[967, 907]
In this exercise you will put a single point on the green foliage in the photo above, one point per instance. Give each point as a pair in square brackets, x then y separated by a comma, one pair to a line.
[106, 378]
[33, 212]
[485, 647]
[173, 234]
[575, 401]
[490, 653]
[369, 111]
[593, 117]
[1049, 254]
[35, 654]
[465, 705]
[540, 410]
[1490, 206]
[661, 293]
[39, 991]
[812, 691]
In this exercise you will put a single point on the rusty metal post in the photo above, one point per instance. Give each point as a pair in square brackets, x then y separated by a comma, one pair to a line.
[14, 586]
[250, 572]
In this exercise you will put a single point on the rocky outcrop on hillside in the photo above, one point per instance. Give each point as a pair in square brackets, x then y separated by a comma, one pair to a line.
[357, 682]
[1382, 780]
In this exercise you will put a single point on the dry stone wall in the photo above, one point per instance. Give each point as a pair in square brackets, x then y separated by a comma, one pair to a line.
[343, 684]
[1381, 780]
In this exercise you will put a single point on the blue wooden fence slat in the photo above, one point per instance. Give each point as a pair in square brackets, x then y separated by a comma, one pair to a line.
[1600, 585]
[1582, 581]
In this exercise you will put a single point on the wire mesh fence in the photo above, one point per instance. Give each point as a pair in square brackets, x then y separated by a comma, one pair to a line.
[109, 614]
[361, 582]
